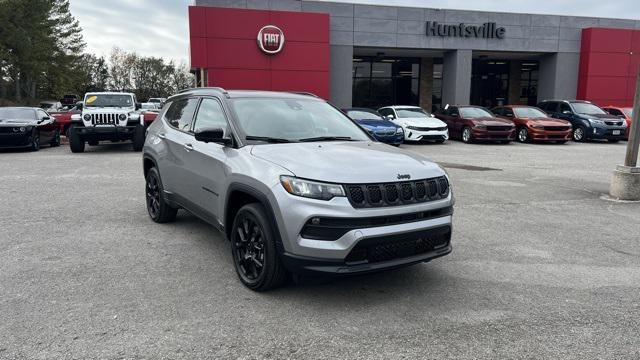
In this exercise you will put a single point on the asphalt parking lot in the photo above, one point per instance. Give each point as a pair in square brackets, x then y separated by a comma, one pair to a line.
[543, 267]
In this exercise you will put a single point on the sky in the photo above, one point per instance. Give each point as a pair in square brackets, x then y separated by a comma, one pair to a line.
[159, 27]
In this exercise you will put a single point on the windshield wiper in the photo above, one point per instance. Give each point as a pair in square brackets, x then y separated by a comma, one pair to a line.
[267, 139]
[327, 138]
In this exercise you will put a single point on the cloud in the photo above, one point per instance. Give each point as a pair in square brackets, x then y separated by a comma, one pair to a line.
[148, 27]
[160, 27]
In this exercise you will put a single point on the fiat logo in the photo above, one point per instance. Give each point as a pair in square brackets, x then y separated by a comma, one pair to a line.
[270, 39]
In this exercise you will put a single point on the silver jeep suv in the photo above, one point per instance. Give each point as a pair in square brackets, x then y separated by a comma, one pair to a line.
[294, 184]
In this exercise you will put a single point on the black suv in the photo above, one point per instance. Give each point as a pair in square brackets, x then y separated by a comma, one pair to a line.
[589, 121]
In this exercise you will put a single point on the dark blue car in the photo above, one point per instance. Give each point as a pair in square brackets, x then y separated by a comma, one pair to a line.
[381, 129]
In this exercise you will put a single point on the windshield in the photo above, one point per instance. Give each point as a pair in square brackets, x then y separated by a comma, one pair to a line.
[586, 108]
[529, 112]
[412, 113]
[363, 115]
[628, 111]
[110, 100]
[17, 113]
[474, 112]
[293, 120]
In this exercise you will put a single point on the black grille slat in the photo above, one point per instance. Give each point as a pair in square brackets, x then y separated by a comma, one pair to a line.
[104, 119]
[557, 128]
[399, 193]
[499, 128]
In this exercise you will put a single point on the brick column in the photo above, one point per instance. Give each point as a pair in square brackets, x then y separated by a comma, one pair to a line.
[426, 83]
[514, 82]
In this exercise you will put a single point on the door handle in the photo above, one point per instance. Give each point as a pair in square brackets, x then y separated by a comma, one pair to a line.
[188, 147]
[162, 136]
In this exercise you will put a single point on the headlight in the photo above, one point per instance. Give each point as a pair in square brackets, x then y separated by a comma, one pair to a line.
[87, 117]
[480, 126]
[413, 128]
[122, 117]
[311, 189]
[537, 126]
[399, 130]
[19, 129]
[596, 122]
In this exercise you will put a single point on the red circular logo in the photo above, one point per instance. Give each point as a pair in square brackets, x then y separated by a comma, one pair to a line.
[270, 39]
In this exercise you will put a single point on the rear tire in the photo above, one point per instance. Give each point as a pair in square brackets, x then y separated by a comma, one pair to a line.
[157, 207]
[76, 143]
[253, 247]
[138, 138]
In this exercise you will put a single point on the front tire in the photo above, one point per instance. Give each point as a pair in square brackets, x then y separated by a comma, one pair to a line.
[579, 134]
[159, 210]
[613, 141]
[138, 138]
[523, 135]
[35, 141]
[253, 247]
[55, 141]
[76, 143]
[467, 136]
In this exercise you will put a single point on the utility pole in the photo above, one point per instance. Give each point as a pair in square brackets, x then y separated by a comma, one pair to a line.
[625, 184]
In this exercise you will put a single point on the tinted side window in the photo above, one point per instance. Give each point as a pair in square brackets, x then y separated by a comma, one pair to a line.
[507, 112]
[453, 111]
[385, 112]
[41, 114]
[210, 115]
[180, 114]
[614, 111]
[565, 107]
[498, 111]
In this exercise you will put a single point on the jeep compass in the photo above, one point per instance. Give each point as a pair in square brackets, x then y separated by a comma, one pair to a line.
[294, 184]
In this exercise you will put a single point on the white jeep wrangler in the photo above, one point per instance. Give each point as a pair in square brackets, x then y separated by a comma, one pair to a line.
[111, 116]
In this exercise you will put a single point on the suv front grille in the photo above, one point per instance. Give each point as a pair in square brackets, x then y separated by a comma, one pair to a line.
[104, 119]
[399, 193]
[614, 123]
[399, 246]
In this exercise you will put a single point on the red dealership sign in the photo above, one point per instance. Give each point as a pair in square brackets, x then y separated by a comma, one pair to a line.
[270, 39]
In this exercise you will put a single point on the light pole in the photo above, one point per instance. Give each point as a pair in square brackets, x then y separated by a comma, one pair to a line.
[625, 184]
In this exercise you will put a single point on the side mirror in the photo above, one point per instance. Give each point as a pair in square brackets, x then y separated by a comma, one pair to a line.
[214, 135]
[567, 112]
[510, 115]
[455, 115]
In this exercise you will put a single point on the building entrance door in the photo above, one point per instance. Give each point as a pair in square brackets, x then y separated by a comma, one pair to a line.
[381, 82]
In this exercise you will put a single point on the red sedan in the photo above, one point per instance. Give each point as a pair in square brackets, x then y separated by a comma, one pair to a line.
[623, 113]
[533, 124]
[474, 123]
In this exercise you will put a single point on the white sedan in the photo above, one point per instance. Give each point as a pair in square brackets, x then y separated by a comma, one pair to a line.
[418, 124]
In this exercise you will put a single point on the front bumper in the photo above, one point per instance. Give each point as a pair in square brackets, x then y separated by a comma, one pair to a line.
[15, 140]
[106, 132]
[418, 135]
[390, 139]
[542, 135]
[293, 213]
[487, 135]
[607, 132]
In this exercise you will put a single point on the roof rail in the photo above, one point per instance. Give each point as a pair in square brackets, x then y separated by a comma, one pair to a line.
[304, 93]
[204, 88]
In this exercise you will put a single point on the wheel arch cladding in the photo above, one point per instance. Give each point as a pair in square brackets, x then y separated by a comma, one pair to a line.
[148, 163]
[241, 195]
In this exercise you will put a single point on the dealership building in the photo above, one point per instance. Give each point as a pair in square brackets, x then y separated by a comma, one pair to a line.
[371, 56]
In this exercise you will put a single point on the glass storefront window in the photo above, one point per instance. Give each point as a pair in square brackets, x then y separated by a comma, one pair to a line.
[380, 82]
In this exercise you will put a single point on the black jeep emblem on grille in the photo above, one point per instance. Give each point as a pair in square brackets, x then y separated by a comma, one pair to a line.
[404, 176]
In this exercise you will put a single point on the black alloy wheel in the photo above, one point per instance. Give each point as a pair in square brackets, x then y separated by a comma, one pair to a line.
[253, 248]
[158, 209]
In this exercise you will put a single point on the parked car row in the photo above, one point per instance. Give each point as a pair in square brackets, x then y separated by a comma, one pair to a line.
[27, 127]
[555, 121]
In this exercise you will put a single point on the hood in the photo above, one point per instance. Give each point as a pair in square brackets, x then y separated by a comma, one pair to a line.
[18, 122]
[107, 110]
[375, 123]
[420, 122]
[546, 121]
[491, 121]
[356, 162]
[600, 116]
